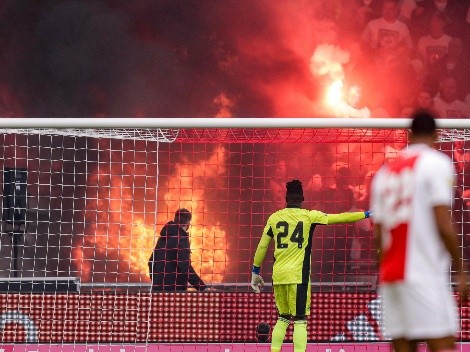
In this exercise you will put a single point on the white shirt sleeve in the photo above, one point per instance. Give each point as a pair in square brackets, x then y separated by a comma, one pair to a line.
[440, 180]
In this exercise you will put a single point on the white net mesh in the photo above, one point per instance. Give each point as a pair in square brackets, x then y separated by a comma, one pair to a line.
[157, 135]
[82, 211]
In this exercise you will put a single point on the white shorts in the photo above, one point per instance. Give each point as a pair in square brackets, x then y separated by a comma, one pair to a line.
[418, 311]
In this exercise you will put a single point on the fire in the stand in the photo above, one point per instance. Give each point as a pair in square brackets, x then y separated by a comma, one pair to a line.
[117, 242]
[81, 264]
[123, 219]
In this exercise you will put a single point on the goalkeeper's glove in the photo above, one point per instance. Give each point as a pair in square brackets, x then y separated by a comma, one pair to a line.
[256, 280]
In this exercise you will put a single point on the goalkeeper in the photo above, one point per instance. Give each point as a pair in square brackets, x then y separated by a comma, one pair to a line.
[292, 229]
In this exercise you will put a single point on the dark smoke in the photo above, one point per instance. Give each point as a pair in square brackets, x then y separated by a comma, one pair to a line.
[78, 58]
[156, 58]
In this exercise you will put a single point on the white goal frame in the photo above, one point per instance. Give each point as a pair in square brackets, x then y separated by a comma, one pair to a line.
[197, 123]
[167, 130]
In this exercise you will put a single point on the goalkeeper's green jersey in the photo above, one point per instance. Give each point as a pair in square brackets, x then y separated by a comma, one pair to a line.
[292, 231]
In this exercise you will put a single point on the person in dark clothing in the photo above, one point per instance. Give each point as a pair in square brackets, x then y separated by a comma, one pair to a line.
[170, 264]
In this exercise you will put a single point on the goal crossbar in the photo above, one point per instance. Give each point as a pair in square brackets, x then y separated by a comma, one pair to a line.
[178, 123]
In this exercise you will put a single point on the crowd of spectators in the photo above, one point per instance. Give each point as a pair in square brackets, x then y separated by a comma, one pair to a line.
[400, 51]
[405, 54]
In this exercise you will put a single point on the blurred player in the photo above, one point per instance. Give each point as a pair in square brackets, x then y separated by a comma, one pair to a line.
[411, 199]
[292, 230]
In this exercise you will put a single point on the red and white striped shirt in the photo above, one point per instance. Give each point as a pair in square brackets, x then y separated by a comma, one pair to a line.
[404, 194]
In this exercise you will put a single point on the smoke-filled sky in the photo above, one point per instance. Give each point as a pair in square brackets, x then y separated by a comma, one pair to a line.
[159, 58]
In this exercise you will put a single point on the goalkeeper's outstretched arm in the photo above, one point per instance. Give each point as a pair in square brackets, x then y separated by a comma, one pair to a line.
[343, 218]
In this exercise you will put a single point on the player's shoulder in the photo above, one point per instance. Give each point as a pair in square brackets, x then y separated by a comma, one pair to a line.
[317, 216]
[435, 158]
[314, 212]
[274, 215]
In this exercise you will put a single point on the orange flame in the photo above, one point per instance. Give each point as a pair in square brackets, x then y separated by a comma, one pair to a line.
[119, 218]
[120, 235]
[117, 243]
[83, 266]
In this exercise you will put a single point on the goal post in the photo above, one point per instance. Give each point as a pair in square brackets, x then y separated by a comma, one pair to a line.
[84, 201]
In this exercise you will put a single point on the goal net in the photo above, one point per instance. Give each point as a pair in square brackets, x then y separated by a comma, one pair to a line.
[83, 208]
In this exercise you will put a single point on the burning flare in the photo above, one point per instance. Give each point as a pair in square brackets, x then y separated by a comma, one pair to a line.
[334, 94]
[327, 61]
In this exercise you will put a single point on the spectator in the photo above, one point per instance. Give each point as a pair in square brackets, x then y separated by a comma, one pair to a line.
[359, 241]
[420, 20]
[347, 19]
[355, 15]
[406, 9]
[366, 11]
[424, 100]
[352, 106]
[373, 7]
[170, 264]
[446, 103]
[434, 46]
[314, 192]
[398, 77]
[335, 241]
[340, 196]
[262, 332]
[453, 10]
[362, 195]
[387, 31]
[453, 64]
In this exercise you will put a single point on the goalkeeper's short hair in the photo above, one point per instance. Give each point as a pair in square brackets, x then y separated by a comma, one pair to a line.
[294, 191]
